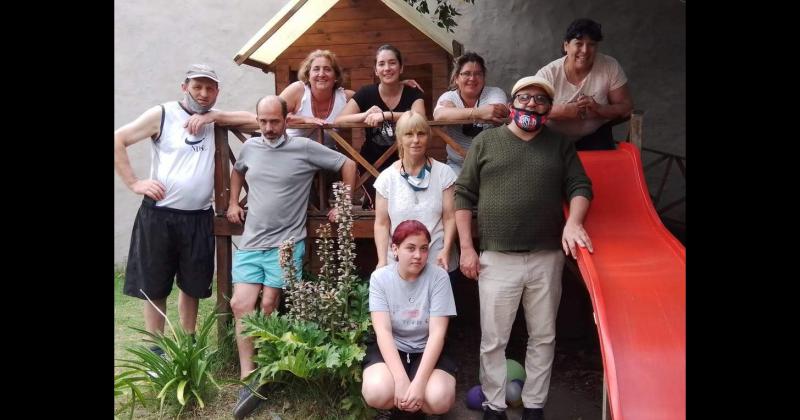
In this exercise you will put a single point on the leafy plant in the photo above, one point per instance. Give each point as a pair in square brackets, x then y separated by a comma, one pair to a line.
[319, 343]
[181, 375]
[444, 13]
[129, 380]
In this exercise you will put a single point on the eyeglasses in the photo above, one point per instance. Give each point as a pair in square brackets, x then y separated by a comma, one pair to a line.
[524, 98]
[468, 74]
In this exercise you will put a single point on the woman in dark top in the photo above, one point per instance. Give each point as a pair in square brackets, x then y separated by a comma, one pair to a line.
[379, 103]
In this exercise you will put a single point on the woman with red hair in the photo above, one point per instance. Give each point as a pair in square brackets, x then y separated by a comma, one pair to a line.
[410, 303]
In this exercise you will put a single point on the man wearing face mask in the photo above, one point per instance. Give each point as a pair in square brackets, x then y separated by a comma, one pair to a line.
[518, 175]
[172, 234]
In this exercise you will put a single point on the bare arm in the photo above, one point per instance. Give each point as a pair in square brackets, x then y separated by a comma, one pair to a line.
[574, 233]
[235, 213]
[568, 111]
[383, 332]
[293, 95]
[145, 126]
[381, 228]
[418, 106]
[449, 222]
[489, 112]
[348, 172]
[469, 264]
[351, 113]
[241, 119]
[619, 104]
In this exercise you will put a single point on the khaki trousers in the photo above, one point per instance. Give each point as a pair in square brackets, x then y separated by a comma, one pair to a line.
[505, 278]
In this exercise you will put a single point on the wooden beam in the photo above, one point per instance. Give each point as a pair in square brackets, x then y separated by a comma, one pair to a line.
[266, 68]
[224, 287]
[390, 151]
[357, 156]
[222, 181]
[449, 140]
[458, 48]
[637, 119]
[240, 58]
[222, 227]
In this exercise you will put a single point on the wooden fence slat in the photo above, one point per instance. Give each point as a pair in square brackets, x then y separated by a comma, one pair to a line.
[356, 156]
[449, 140]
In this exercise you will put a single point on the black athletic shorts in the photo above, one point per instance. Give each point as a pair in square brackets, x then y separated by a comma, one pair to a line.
[167, 242]
[410, 361]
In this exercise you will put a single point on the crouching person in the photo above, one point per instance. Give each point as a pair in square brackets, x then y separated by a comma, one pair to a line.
[410, 303]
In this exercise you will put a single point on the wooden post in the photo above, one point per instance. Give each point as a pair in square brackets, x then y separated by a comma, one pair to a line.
[222, 192]
[637, 119]
[321, 178]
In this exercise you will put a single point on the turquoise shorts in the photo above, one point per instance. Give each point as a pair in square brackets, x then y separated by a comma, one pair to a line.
[262, 266]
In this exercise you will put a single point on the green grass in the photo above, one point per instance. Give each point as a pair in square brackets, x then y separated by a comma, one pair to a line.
[128, 313]
[295, 404]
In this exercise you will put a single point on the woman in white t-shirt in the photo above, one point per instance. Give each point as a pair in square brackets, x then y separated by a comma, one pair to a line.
[410, 303]
[591, 89]
[416, 187]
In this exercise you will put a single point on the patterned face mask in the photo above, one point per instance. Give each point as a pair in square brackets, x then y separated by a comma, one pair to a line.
[529, 121]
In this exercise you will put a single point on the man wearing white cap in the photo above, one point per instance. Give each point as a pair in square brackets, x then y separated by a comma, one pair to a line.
[172, 234]
[518, 175]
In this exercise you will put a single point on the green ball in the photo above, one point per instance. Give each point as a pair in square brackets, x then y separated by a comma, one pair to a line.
[514, 370]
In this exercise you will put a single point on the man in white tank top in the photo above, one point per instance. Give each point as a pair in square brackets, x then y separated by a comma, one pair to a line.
[173, 232]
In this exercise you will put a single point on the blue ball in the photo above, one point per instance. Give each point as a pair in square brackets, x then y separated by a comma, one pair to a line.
[475, 398]
[514, 393]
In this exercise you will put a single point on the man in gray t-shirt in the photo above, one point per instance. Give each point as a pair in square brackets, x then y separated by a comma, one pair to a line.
[279, 171]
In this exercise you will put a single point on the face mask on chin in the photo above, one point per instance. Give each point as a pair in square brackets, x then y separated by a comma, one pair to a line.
[528, 121]
[195, 106]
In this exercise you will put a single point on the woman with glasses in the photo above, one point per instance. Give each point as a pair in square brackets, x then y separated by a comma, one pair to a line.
[416, 187]
[469, 99]
[379, 106]
[591, 89]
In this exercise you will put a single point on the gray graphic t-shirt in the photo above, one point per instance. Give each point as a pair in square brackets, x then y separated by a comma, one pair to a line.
[411, 303]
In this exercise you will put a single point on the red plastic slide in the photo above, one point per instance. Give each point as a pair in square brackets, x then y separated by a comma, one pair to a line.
[637, 282]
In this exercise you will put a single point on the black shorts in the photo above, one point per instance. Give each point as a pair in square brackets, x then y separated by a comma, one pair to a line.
[168, 242]
[410, 361]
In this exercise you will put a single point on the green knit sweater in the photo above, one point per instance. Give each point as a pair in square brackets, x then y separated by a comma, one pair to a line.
[520, 188]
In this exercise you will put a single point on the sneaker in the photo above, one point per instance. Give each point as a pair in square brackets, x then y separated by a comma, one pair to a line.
[158, 351]
[248, 402]
[489, 414]
[533, 414]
